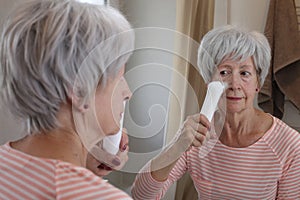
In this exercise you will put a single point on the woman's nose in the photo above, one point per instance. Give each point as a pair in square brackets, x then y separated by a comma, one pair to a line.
[127, 92]
[234, 82]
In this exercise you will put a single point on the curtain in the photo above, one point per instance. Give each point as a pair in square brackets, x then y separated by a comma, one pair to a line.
[283, 80]
[194, 19]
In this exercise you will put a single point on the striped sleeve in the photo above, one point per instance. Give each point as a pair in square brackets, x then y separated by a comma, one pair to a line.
[79, 183]
[145, 187]
[289, 183]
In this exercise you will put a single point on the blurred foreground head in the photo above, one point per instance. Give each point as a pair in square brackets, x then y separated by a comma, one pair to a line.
[53, 49]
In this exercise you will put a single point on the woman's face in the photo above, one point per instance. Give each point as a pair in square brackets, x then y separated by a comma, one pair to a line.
[109, 103]
[242, 81]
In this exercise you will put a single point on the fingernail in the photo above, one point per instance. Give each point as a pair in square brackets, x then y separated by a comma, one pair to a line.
[124, 147]
[85, 106]
[104, 167]
[101, 166]
[116, 162]
[107, 168]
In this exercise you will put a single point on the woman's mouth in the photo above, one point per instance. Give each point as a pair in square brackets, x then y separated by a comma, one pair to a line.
[234, 98]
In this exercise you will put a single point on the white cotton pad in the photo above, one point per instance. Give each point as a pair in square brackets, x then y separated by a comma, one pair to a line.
[213, 95]
[111, 143]
[95, 2]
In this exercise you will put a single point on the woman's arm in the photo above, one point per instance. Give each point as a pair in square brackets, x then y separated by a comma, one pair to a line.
[147, 187]
[193, 133]
[289, 183]
[170, 165]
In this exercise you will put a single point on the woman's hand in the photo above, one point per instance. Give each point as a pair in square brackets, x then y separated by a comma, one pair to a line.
[108, 161]
[193, 133]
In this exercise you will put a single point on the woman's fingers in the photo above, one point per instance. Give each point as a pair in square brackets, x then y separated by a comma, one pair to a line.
[124, 141]
[197, 127]
[202, 119]
[123, 156]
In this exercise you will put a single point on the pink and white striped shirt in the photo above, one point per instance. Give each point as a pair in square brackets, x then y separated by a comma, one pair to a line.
[268, 169]
[27, 177]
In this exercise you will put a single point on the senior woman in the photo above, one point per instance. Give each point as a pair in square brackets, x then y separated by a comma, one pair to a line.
[62, 64]
[256, 156]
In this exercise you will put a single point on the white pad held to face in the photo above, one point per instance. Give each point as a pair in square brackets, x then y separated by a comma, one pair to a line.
[213, 95]
[111, 143]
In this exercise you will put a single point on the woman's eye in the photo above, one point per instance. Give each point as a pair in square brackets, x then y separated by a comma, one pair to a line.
[245, 73]
[224, 73]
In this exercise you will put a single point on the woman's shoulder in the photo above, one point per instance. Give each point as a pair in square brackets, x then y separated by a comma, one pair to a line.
[281, 135]
[80, 183]
[65, 180]
[282, 127]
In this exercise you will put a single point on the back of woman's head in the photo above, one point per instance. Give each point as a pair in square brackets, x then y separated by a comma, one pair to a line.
[230, 42]
[44, 49]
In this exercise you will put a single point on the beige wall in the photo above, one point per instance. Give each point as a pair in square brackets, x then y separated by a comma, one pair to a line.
[249, 14]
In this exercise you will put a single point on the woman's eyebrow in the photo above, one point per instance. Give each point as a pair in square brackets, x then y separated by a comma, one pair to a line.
[225, 66]
[246, 66]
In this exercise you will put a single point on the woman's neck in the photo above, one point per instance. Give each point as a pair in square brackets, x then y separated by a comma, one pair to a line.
[243, 129]
[59, 145]
[62, 143]
[239, 123]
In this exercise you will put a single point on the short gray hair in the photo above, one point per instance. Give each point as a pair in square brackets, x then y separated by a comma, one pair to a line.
[234, 43]
[44, 49]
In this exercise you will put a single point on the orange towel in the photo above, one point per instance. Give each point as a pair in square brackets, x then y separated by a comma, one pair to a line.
[284, 75]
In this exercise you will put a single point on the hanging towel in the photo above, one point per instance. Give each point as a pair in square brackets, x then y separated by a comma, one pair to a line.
[284, 76]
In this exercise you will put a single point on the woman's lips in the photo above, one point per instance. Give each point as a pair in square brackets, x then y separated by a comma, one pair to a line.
[234, 98]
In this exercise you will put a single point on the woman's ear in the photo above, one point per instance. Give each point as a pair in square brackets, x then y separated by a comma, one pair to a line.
[77, 102]
[258, 84]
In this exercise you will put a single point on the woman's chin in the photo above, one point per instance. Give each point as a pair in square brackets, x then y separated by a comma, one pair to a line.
[233, 110]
